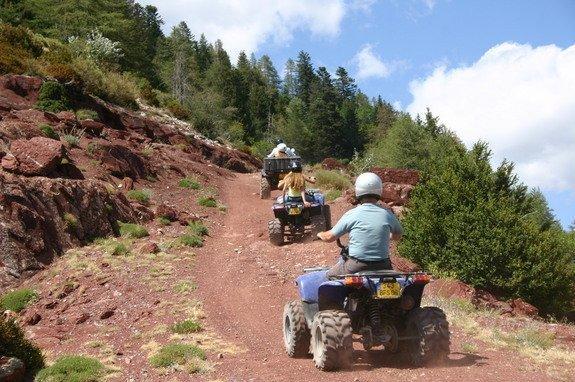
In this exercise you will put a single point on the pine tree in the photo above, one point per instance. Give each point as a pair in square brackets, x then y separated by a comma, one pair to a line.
[290, 79]
[344, 84]
[305, 77]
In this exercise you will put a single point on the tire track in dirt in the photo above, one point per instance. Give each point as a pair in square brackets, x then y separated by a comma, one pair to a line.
[244, 283]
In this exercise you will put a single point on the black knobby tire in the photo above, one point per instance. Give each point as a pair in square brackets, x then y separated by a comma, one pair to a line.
[331, 340]
[296, 332]
[326, 211]
[265, 188]
[317, 224]
[430, 327]
[276, 232]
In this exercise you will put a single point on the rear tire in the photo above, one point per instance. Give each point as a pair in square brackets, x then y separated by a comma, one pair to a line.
[430, 326]
[317, 225]
[326, 211]
[276, 232]
[296, 332]
[265, 188]
[331, 340]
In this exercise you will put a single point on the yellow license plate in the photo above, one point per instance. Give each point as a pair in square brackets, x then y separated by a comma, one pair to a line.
[388, 290]
[294, 211]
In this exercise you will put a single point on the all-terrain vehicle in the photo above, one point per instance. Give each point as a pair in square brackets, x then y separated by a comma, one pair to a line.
[273, 171]
[294, 220]
[382, 308]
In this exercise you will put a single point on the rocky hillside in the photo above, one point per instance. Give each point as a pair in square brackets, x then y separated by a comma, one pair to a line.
[65, 178]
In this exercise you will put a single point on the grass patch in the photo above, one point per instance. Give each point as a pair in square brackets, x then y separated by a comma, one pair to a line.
[13, 343]
[330, 179]
[131, 230]
[179, 354]
[141, 196]
[207, 201]
[17, 300]
[73, 369]
[332, 194]
[119, 249]
[197, 228]
[191, 183]
[147, 151]
[526, 338]
[83, 114]
[93, 148]
[186, 327]
[163, 221]
[184, 287]
[70, 220]
[71, 140]
[191, 240]
[468, 347]
[49, 132]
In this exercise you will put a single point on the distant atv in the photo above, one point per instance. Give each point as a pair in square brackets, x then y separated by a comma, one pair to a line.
[293, 219]
[381, 307]
[273, 171]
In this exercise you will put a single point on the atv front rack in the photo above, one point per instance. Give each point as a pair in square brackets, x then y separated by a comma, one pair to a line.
[381, 273]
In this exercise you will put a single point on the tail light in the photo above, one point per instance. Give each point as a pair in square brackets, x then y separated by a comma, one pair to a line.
[353, 281]
[421, 278]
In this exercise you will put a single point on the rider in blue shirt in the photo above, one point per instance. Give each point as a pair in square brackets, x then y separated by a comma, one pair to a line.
[370, 228]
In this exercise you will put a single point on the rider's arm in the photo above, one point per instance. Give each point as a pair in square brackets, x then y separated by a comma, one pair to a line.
[342, 227]
[395, 228]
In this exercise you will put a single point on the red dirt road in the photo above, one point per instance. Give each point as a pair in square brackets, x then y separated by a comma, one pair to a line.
[244, 283]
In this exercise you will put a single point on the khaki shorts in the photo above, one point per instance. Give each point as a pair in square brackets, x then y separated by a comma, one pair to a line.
[353, 266]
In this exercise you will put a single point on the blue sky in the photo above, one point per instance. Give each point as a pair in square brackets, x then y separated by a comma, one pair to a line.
[501, 71]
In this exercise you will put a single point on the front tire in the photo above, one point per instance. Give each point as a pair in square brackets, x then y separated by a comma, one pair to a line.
[317, 225]
[331, 340]
[265, 188]
[276, 232]
[326, 211]
[296, 332]
[430, 328]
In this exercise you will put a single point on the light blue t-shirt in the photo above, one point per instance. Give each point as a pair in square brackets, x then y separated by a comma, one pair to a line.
[369, 226]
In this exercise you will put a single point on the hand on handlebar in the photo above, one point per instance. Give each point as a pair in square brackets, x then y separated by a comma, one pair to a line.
[307, 204]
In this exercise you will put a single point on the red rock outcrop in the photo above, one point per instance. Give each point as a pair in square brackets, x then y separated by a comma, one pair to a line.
[37, 156]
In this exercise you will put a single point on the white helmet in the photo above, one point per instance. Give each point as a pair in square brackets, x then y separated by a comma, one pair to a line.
[368, 183]
[282, 147]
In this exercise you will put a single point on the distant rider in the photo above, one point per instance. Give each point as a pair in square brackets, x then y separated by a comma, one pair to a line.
[370, 228]
[293, 186]
[281, 151]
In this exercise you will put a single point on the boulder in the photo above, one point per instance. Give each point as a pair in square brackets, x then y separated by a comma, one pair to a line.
[397, 175]
[523, 308]
[31, 318]
[168, 212]
[332, 164]
[149, 247]
[11, 369]
[18, 92]
[37, 156]
[92, 127]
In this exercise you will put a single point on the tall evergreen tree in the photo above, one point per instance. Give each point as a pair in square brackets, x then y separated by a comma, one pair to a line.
[290, 79]
[304, 77]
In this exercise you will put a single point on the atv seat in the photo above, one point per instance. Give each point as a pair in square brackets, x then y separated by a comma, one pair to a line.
[381, 273]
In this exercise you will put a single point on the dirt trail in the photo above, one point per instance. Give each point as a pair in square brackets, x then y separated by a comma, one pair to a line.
[244, 283]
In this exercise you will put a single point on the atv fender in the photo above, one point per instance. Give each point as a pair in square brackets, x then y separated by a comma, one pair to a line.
[308, 285]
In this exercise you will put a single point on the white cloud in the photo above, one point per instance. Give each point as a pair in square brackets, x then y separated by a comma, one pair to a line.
[246, 24]
[518, 98]
[369, 64]
[430, 4]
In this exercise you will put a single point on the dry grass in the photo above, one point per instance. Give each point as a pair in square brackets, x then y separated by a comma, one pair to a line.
[531, 339]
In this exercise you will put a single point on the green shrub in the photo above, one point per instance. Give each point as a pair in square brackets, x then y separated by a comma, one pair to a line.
[119, 249]
[332, 195]
[207, 201]
[163, 221]
[186, 327]
[197, 228]
[71, 140]
[176, 354]
[131, 230]
[73, 368]
[71, 221]
[142, 196]
[53, 97]
[190, 183]
[191, 240]
[261, 149]
[475, 223]
[13, 343]
[327, 179]
[93, 148]
[17, 300]
[83, 114]
[49, 132]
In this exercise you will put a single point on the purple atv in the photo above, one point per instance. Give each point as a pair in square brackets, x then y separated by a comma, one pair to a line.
[381, 308]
